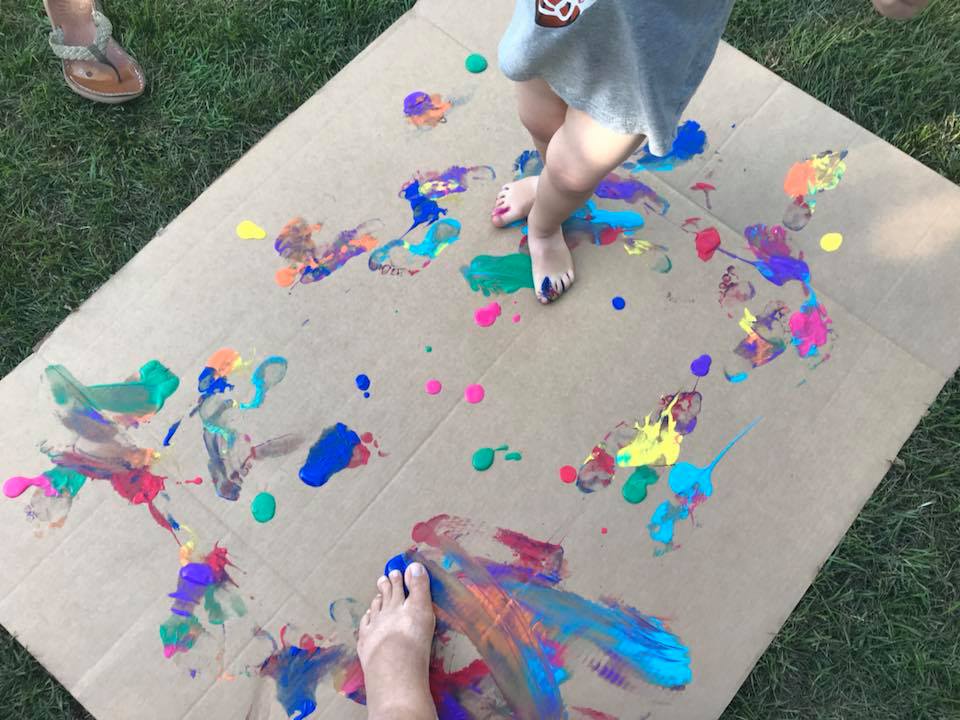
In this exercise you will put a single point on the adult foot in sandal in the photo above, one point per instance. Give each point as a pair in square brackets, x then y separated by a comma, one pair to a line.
[94, 65]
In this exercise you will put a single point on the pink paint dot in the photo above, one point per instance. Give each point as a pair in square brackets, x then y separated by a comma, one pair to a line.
[516, 318]
[367, 437]
[473, 393]
[603, 531]
[487, 315]
[568, 474]
[433, 387]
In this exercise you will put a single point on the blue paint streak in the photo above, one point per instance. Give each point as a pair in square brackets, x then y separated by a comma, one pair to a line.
[425, 210]
[737, 378]
[172, 429]
[209, 384]
[640, 642]
[430, 246]
[687, 480]
[266, 375]
[329, 455]
[662, 520]
[626, 219]
[691, 140]
[297, 672]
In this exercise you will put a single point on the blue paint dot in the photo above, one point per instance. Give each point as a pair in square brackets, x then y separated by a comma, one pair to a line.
[366, 394]
[363, 382]
[618, 303]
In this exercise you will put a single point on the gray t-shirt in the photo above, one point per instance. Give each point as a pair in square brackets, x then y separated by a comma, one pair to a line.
[632, 65]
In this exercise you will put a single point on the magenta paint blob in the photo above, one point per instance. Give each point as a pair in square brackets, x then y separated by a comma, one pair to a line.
[433, 387]
[17, 485]
[516, 318]
[487, 315]
[473, 393]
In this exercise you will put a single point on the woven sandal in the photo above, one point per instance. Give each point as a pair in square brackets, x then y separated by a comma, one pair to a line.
[97, 69]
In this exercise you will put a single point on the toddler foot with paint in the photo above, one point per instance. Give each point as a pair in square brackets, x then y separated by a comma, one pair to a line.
[394, 647]
[514, 201]
[552, 263]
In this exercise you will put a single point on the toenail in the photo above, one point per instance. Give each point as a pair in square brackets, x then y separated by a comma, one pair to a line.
[394, 574]
[416, 569]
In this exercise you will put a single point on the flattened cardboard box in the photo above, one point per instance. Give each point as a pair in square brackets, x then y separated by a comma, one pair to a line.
[552, 600]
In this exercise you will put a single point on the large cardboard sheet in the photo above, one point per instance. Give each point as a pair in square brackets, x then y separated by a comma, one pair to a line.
[625, 625]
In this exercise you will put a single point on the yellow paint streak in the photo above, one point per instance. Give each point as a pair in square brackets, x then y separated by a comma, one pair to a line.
[747, 321]
[249, 230]
[656, 443]
[637, 247]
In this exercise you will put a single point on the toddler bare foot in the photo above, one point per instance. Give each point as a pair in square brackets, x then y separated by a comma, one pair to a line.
[552, 263]
[514, 201]
[394, 648]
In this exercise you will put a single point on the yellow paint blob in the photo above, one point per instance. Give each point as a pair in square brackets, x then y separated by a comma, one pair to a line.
[654, 444]
[249, 230]
[747, 321]
[831, 242]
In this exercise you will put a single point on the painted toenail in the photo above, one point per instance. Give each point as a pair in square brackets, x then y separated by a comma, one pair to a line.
[416, 569]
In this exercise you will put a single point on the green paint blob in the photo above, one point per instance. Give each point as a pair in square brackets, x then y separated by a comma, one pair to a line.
[428, 348]
[263, 507]
[483, 458]
[513, 456]
[180, 631]
[635, 488]
[499, 274]
[476, 63]
[62, 479]
[141, 397]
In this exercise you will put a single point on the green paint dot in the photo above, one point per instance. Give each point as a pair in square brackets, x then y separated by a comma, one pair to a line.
[635, 488]
[483, 459]
[263, 507]
[428, 348]
[476, 63]
[513, 456]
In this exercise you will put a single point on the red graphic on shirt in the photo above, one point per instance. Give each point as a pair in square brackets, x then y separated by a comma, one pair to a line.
[560, 13]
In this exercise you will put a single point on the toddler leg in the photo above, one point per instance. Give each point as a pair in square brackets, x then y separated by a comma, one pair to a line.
[581, 153]
[542, 113]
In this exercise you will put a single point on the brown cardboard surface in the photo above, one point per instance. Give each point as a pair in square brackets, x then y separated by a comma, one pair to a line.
[87, 598]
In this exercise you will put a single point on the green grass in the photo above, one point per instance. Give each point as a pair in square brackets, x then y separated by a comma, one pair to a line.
[84, 187]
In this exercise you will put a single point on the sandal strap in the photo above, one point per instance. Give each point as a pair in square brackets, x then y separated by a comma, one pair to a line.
[95, 52]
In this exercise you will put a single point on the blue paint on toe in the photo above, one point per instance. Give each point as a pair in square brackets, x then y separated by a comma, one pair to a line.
[397, 562]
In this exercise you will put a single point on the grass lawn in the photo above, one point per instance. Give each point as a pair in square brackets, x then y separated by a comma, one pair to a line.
[84, 187]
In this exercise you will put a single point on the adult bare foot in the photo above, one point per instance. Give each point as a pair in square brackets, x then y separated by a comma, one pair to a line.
[394, 648]
[514, 201]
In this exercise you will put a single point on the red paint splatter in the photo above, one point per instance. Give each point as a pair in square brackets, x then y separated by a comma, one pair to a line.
[536, 555]
[707, 243]
[603, 531]
[609, 235]
[594, 714]
[568, 474]
[705, 188]
[694, 221]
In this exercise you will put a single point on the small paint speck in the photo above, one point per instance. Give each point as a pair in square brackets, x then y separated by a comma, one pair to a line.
[433, 387]
[618, 303]
[487, 315]
[428, 348]
[603, 531]
[568, 474]
[474, 393]
[516, 318]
